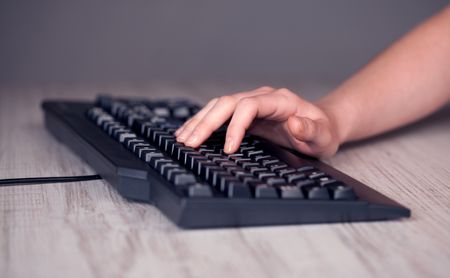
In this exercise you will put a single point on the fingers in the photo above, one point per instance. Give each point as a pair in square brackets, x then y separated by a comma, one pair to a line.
[268, 106]
[200, 127]
[246, 111]
[192, 122]
[211, 121]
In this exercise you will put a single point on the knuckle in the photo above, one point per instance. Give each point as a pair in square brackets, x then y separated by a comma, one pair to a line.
[226, 99]
[265, 88]
[284, 92]
[246, 103]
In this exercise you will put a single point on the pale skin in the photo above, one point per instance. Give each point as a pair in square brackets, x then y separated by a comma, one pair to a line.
[406, 82]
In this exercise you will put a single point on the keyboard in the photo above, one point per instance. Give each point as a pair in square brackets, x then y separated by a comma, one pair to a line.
[130, 142]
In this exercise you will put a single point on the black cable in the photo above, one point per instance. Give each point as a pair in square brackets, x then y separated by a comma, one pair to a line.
[41, 180]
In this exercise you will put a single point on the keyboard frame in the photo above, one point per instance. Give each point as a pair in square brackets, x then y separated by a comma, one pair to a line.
[137, 181]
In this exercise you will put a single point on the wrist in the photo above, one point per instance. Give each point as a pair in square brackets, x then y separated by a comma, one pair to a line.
[339, 116]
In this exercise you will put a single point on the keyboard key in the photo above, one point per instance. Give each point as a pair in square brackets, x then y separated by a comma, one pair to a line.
[317, 193]
[207, 171]
[149, 155]
[258, 158]
[226, 180]
[343, 192]
[285, 172]
[275, 181]
[277, 167]
[171, 173]
[265, 191]
[265, 174]
[306, 169]
[183, 179]
[248, 165]
[292, 178]
[304, 183]
[237, 190]
[317, 175]
[163, 170]
[214, 178]
[154, 161]
[269, 162]
[290, 192]
[256, 169]
[199, 190]
[181, 112]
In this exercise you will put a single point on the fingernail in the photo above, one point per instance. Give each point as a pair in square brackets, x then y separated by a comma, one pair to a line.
[192, 139]
[181, 138]
[177, 132]
[229, 144]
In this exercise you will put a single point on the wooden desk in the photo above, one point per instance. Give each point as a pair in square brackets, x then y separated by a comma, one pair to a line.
[86, 229]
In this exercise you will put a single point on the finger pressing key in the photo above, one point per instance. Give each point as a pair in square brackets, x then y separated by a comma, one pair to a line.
[201, 126]
[212, 120]
[197, 117]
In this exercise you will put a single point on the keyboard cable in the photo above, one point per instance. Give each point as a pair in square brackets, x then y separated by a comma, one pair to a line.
[44, 180]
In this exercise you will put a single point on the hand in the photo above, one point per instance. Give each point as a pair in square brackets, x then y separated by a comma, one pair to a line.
[278, 115]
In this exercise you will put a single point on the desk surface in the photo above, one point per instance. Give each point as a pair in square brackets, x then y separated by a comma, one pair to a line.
[86, 229]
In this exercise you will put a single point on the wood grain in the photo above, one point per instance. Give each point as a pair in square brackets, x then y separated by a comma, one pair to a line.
[86, 229]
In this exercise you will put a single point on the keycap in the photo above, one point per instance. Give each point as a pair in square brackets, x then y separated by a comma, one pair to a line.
[237, 190]
[157, 160]
[163, 170]
[275, 181]
[303, 183]
[215, 176]
[171, 173]
[306, 168]
[342, 192]
[181, 112]
[292, 178]
[193, 160]
[183, 179]
[290, 192]
[266, 174]
[253, 153]
[199, 190]
[161, 111]
[248, 165]
[258, 158]
[269, 162]
[225, 181]
[329, 182]
[317, 193]
[317, 175]
[168, 144]
[134, 146]
[208, 169]
[149, 155]
[277, 166]
[265, 191]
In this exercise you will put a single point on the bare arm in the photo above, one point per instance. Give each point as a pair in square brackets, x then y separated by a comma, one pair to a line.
[406, 82]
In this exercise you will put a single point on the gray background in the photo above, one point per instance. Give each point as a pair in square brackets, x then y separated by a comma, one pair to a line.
[79, 42]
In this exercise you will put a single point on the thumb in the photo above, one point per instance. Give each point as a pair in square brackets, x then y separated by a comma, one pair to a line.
[303, 129]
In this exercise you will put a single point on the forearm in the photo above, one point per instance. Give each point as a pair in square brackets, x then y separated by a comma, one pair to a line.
[408, 81]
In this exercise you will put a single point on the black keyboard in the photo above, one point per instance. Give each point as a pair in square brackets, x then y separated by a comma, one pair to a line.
[130, 143]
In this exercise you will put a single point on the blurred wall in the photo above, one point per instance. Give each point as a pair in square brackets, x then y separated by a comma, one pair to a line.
[93, 41]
